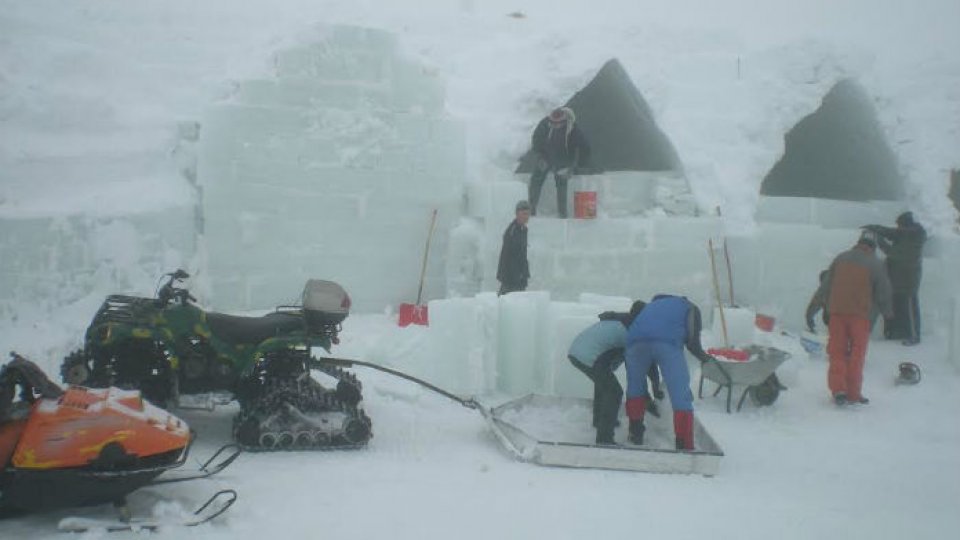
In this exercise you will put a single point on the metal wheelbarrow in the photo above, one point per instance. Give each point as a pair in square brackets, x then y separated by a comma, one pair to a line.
[756, 375]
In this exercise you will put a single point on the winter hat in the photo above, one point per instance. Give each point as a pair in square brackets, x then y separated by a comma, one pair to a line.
[868, 238]
[522, 205]
[636, 308]
[558, 116]
[905, 219]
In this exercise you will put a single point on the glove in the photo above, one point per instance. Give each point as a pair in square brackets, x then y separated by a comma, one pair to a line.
[658, 393]
[811, 326]
[564, 173]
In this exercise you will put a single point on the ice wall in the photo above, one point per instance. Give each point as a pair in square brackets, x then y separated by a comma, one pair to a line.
[827, 213]
[59, 260]
[775, 266]
[517, 344]
[330, 168]
[514, 344]
[622, 194]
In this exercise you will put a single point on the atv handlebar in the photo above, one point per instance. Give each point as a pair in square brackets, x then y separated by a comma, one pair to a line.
[169, 292]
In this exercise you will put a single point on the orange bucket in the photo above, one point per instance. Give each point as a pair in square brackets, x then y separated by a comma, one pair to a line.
[585, 204]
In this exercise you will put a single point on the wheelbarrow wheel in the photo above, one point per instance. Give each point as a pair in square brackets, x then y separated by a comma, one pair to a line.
[765, 393]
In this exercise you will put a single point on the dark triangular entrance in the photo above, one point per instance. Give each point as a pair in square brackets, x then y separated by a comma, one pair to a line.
[838, 152]
[618, 126]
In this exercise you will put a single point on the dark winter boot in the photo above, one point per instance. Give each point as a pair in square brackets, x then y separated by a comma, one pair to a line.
[605, 436]
[840, 399]
[653, 409]
[636, 432]
[683, 429]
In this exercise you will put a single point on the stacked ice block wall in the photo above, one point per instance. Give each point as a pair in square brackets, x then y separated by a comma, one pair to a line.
[827, 213]
[330, 169]
[622, 193]
[55, 261]
[513, 344]
[517, 344]
[775, 267]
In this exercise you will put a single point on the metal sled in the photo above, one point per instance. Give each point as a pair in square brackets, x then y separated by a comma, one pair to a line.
[557, 431]
[756, 375]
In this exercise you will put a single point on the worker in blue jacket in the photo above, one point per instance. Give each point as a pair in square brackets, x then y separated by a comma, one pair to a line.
[657, 336]
[598, 351]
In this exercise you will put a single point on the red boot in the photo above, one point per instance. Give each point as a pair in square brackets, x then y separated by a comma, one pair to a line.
[636, 408]
[683, 429]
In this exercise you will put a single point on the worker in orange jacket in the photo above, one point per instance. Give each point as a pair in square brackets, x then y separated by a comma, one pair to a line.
[855, 284]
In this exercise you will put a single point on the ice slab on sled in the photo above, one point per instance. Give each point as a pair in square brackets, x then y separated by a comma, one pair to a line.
[557, 431]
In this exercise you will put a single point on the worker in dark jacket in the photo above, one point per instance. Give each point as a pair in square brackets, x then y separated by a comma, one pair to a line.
[513, 270]
[559, 147]
[903, 247]
[855, 285]
[658, 335]
[597, 351]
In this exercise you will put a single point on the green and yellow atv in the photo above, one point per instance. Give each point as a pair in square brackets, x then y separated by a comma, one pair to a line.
[170, 350]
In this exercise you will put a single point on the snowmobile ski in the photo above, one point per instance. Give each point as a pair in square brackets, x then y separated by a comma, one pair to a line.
[230, 453]
[213, 507]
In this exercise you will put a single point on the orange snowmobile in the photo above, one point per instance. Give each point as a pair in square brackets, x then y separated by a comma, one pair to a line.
[83, 446]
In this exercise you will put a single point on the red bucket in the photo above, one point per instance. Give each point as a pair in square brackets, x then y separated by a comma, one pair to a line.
[585, 204]
[765, 322]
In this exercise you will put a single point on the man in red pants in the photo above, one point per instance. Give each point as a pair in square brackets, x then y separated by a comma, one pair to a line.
[856, 283]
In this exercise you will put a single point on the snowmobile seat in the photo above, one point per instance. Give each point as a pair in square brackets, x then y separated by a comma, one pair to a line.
[253, 330]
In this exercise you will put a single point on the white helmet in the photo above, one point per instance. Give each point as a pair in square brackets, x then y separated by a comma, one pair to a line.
[909, 373]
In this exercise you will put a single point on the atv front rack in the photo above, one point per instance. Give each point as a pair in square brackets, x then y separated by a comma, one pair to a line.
[118, 308]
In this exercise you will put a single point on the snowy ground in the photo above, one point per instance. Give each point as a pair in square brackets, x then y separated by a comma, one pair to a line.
[799, 469]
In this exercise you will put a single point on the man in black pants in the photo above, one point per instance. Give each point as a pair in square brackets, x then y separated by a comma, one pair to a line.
[560, 147]
[598, 352]
[513, 269]
[903, 247]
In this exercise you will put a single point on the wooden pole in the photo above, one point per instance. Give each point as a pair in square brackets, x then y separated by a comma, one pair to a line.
[726, 255]
[716, 292]
[426, 253]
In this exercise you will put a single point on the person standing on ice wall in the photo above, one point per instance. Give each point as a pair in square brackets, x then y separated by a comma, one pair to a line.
[658, 335]
[903, 247]
[855, 284]
[597, 351]
[560, 147]
[513, 269]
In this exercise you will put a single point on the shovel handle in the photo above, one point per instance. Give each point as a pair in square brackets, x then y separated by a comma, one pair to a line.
[426, 253]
